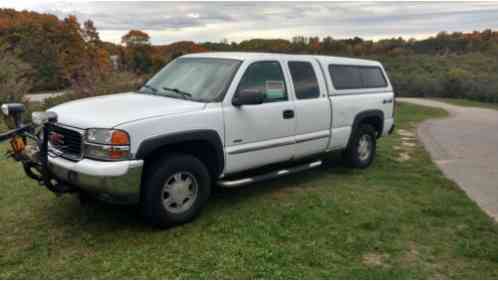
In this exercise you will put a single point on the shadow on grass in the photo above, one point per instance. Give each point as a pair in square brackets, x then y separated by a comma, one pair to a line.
[100, 216]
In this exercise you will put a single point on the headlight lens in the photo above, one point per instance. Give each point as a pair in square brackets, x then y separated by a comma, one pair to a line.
[5, 109]
[107, 144]
[107, 136]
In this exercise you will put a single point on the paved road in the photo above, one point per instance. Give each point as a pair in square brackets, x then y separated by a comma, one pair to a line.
[42, 97]
[465, 147]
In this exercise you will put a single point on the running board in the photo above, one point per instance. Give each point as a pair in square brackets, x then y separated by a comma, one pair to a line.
[268, 176]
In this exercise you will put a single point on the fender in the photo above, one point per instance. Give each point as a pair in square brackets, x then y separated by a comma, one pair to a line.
[212, 137]
[365, 114]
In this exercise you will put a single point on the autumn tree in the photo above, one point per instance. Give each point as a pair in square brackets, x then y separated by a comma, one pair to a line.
[135, 38]
[36, 40]
[137, 51]
[15, 75]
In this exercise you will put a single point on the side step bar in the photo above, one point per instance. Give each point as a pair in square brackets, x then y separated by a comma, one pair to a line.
[268, 176]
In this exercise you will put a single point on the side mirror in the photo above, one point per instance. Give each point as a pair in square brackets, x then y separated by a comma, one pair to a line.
[13, 114]
[248, 97]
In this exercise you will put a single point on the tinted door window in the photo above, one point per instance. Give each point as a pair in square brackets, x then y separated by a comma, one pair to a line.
[345, 77]
[372, 77]
[304, 79]
[266, 77]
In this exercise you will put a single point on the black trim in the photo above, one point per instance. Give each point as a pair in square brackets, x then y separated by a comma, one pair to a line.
[150, 145]
[365, 114]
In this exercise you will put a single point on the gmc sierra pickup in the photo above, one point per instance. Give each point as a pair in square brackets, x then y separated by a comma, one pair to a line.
[205, 119]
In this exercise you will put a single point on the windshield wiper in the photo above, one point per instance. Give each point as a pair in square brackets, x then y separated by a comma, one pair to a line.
[184, 94]
[154, 90]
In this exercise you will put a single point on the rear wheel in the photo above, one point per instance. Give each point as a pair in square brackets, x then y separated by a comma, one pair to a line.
[361, 150]
[175, 190]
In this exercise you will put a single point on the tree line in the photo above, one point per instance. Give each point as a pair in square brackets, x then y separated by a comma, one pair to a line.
[40, 52]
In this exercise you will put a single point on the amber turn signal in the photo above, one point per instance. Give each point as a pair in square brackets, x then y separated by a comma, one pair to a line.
[120, 138]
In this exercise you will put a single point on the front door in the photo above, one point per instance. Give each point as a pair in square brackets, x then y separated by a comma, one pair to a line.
[256, 135]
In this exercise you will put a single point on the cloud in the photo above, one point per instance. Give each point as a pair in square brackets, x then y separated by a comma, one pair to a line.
[202, 21]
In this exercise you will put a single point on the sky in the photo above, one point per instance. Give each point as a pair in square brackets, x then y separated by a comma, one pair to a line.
[167, 22]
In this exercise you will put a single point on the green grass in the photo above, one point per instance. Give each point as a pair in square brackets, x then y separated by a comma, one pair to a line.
[395, 220]
[468, 103]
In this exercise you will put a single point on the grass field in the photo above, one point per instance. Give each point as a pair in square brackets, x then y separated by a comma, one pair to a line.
[401, 218]
[469, 103]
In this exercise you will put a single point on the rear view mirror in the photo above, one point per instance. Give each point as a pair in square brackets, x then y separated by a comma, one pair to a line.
[248, 97]
[13, 114]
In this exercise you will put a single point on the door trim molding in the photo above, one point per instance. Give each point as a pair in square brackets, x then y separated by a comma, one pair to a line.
[277, 143]
[312, 136]
[260, 146]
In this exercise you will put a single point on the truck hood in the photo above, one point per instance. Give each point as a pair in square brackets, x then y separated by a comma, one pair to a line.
[112, 110]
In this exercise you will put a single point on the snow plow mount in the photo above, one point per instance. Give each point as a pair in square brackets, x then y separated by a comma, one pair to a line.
[29, 145]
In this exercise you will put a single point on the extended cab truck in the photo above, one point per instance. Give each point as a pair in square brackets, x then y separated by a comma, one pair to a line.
[206, 117]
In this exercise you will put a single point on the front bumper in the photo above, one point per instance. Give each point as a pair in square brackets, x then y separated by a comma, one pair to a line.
[116, 182]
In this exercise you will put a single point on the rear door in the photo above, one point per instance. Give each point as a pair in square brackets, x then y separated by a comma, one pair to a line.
[312, 106]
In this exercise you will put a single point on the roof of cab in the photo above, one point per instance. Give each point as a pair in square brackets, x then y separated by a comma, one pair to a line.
[253, 55]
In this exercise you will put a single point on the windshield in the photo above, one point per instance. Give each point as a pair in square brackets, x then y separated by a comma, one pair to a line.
[198, 79]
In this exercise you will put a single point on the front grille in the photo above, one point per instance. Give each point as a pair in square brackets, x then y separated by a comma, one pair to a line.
[67, 141]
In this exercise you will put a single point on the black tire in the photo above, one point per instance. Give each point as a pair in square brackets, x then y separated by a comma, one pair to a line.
[352, 154]
[154, 197]
[86, 198]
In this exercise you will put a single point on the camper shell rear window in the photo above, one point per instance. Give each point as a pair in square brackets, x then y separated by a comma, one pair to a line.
[347, 77]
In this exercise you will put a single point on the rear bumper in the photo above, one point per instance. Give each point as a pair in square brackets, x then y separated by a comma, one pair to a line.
[116, 182]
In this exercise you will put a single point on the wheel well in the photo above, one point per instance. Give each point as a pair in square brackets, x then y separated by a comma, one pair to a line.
[375, 121]
[201, 149]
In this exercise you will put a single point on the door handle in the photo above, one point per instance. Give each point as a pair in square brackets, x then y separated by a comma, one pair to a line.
[387, 101]
[288, 114]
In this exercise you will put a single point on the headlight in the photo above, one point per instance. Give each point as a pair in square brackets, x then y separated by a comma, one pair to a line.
[107, 144]
[13, 114]
[5, 109]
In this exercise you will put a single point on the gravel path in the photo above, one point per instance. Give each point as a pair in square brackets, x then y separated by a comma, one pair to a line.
[465, 147]
[42, 97]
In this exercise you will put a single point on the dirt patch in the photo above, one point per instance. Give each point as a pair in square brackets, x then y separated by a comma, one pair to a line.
[405, 133]
[374, 259]
[408, 144]
[407, 139]
[411, 256]
[403, 156]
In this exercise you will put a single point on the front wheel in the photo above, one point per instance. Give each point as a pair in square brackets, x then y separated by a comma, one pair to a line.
[175, 190]
[361, 151]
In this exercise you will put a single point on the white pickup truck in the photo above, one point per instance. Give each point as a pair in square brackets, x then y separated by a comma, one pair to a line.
[213, 118]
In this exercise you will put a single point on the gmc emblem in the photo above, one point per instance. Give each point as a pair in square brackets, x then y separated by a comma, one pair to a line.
[56, 138]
